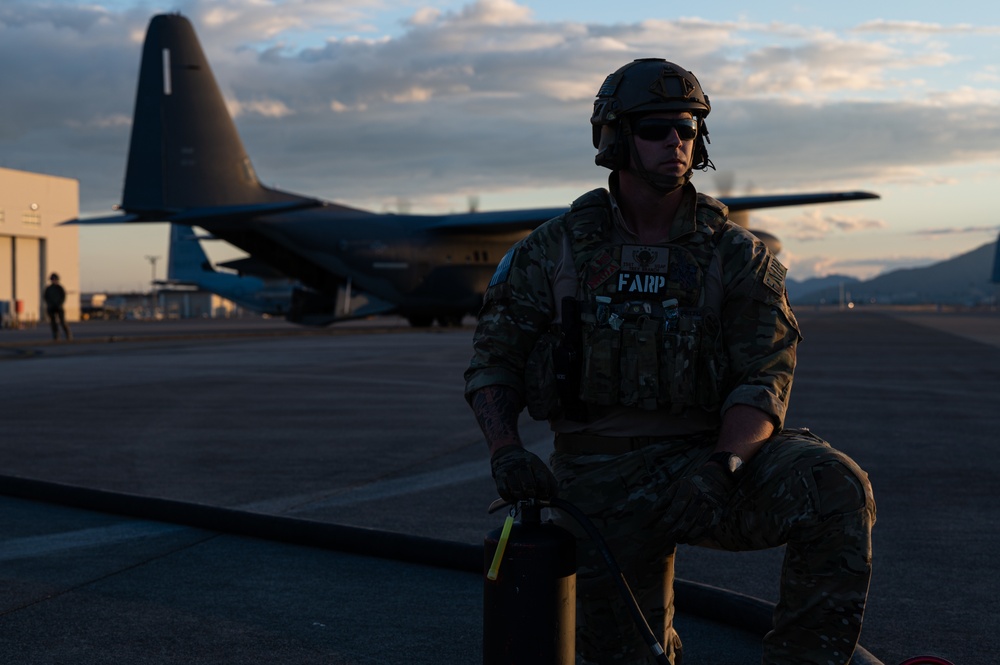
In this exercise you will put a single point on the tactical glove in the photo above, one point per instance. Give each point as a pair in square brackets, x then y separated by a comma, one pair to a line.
[520, 475]
[693, 505]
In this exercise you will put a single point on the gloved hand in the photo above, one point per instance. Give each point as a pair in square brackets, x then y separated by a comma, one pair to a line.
[521, 474]
[693, 505]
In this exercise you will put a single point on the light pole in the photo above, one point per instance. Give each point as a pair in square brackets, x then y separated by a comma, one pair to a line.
[152, 285]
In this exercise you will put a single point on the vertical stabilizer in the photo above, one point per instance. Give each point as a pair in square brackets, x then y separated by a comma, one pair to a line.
[185, 151]
[186, 259]
[996, 263]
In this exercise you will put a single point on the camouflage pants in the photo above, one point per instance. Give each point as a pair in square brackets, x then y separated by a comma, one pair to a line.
[797, 491]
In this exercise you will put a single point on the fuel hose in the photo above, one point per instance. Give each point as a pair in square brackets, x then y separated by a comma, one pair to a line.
[616, 573]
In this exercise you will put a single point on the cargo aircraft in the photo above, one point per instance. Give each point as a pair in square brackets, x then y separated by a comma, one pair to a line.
[187, 166]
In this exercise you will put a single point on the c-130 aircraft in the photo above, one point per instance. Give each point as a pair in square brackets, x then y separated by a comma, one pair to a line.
[187, 166]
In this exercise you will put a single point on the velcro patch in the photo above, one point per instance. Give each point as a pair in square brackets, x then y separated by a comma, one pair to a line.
[774, 275]
[600, 269]
[641, 258]
[502, 273]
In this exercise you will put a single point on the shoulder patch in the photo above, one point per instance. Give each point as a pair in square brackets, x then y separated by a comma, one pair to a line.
[774, 275]
[502, 273]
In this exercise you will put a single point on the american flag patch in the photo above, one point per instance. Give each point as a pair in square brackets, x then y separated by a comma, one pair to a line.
[503, 269]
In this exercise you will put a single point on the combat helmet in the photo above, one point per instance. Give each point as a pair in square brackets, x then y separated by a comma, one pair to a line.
[645, 86]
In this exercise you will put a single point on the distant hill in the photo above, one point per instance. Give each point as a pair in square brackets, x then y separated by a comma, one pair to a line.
[797, 289]
[963, 280]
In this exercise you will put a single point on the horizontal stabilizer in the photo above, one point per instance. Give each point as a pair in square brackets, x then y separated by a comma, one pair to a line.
[192, 216]
[111, 219]
[252, 266]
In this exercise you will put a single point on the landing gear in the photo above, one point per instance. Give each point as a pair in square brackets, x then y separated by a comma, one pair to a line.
[453, 319]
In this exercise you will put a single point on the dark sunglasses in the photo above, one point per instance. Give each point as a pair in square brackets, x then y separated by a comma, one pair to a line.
[658, 129]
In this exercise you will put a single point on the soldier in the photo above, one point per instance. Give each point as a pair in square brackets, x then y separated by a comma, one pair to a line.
[55, 296]
[657, 339]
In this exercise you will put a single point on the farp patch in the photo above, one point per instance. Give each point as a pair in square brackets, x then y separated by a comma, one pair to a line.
[774, 276]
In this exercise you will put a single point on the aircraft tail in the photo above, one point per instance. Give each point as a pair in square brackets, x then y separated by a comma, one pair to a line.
[185, 151]
[996, 263]
[186, 259]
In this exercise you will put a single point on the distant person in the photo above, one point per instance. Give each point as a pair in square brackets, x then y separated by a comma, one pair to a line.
[656, 338]
[55, 298]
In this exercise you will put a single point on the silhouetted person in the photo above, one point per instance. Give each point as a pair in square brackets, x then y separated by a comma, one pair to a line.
[55, 296]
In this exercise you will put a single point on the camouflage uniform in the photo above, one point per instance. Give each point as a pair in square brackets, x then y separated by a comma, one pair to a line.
[712, 329]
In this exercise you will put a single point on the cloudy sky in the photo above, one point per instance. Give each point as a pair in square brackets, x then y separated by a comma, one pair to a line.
[424, 105]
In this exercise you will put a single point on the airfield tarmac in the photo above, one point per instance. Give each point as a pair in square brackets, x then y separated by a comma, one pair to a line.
[364, 424]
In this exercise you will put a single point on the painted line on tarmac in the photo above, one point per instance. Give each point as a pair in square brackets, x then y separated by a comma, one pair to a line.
[68, 541]
[385, 489]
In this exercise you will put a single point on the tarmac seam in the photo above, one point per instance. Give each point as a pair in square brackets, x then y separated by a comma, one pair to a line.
[107, 576]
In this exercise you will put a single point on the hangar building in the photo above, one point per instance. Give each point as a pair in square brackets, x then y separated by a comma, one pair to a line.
[33, 245]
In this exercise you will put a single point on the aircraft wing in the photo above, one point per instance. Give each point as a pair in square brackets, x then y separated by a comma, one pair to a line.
[738, 203]
[527, 220]
[494, 222]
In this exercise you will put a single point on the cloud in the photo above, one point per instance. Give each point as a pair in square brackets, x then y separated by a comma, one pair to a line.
[488, 99]
[269, 108]
[817, 224]
[492, 12]
[958, 230]
[922, 28]
[806, 267]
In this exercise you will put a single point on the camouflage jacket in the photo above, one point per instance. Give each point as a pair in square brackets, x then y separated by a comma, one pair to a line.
[744, 288]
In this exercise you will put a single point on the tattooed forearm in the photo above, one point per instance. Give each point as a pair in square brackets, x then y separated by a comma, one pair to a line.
[497, 409]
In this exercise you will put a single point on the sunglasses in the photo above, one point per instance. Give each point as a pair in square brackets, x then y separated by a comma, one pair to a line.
[658, 129]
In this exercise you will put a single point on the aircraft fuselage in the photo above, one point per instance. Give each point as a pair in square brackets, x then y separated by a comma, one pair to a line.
[397, 258]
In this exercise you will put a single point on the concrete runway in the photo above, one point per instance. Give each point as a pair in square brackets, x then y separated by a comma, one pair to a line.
[364, 424]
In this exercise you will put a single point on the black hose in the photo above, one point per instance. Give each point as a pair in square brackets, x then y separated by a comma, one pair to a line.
[630, 602]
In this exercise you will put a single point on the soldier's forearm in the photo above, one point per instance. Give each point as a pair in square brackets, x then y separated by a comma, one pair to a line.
[497, 409]
[744, 431]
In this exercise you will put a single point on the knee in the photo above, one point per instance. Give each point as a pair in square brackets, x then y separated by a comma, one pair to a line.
[846, 510]
[841, 487]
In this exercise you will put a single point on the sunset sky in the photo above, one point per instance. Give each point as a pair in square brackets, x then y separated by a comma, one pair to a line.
[426, 105]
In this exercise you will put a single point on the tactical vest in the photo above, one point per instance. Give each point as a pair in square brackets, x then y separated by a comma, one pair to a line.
[644, 337]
